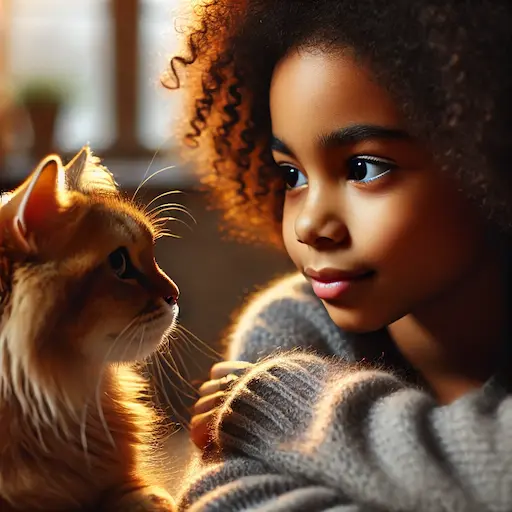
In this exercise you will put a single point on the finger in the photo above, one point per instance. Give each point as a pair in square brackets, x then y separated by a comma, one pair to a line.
[209, 387]
[200, 429]
[212, 386]
[222, 369]
[196, 383]
[206, 403]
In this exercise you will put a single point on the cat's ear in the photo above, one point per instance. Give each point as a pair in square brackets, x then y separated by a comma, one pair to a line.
[85, 174]
[76, 166]
[36, 202]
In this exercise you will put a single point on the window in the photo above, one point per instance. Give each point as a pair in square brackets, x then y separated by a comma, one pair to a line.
[68, 41]
[158, 107]
[115, 99]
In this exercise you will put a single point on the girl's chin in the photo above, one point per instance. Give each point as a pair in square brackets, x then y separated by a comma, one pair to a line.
[355, 320]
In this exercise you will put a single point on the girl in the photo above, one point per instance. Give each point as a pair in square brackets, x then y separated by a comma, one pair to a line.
[374, 136]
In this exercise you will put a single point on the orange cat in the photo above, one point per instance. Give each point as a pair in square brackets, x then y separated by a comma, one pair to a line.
[80, 292]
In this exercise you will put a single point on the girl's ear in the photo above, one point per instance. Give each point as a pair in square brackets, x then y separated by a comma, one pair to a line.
[85, 174]
[33, 206]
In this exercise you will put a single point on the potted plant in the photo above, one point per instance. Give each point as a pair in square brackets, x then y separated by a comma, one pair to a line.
[43, 100]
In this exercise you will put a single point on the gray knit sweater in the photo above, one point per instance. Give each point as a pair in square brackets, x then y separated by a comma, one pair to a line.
[302, 432]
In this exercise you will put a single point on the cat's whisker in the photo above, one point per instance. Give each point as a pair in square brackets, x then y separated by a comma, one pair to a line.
[159, 380]
[160, 196]
[180, 328]
[190, 346]
[176, 207]
[139, 348]
[164, 221]
[128, 326]
[180, 391]
[158, 207]
[162, 234]
[83, 435]
[103, 419]
[197, 342]
[163, 373]
[161, 220]
[165, 143]
[176, 372]
[159, 377]
[100, 382]
[178, 339]
[149, 166]
[185, 380]
[146, 171]
[182, 363]
[151, 176]
[193, 359]
[128, 343]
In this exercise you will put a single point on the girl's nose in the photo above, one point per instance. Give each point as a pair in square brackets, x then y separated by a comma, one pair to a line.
[319, 223]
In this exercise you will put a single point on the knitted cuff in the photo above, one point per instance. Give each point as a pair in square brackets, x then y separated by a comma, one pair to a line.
[270, 404]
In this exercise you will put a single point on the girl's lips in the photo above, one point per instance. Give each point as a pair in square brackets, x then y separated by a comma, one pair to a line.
[330, 291]
[329, 284]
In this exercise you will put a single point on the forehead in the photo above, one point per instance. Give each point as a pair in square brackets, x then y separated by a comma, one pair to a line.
[315, 92]
[125, 221]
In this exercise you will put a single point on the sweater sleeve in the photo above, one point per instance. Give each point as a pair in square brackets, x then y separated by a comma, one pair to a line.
[242, 484]
[284, 316]
[321, 435]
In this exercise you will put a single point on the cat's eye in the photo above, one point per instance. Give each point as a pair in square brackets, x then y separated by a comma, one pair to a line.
[121, 264]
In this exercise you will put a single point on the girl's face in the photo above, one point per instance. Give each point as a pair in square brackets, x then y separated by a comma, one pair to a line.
[378, 230]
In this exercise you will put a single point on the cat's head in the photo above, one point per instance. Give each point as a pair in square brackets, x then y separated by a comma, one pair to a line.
[79, 282]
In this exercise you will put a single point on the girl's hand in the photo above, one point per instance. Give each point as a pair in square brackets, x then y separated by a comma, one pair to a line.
[213, 392]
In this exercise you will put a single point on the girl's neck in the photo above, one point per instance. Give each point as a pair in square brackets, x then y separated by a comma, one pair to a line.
[456, 340]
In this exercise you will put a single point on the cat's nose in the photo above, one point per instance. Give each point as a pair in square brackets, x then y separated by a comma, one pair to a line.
[173, 293]
[165, 287]
[171, 299]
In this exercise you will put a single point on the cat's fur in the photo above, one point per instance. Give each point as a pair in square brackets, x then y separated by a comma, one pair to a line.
[74, 434]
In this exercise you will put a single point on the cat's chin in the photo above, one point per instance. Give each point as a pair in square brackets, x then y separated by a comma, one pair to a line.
[152, 330]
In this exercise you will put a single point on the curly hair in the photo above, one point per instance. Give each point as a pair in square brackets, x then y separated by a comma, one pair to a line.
[446, 63]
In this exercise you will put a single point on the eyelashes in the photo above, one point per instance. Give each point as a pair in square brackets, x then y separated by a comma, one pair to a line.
[365, 169]
[361, 169]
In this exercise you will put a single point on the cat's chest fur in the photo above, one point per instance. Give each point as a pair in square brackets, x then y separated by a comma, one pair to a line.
[73, 463]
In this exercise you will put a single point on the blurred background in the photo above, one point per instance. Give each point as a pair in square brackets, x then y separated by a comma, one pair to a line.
[88, 71]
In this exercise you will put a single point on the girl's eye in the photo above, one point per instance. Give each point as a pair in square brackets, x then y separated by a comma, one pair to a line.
[121, 264]
[293, 177]
[364, 169]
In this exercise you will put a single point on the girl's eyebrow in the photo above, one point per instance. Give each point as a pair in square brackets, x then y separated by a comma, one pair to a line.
[279, 146]
[348, 135]
[360, 132]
